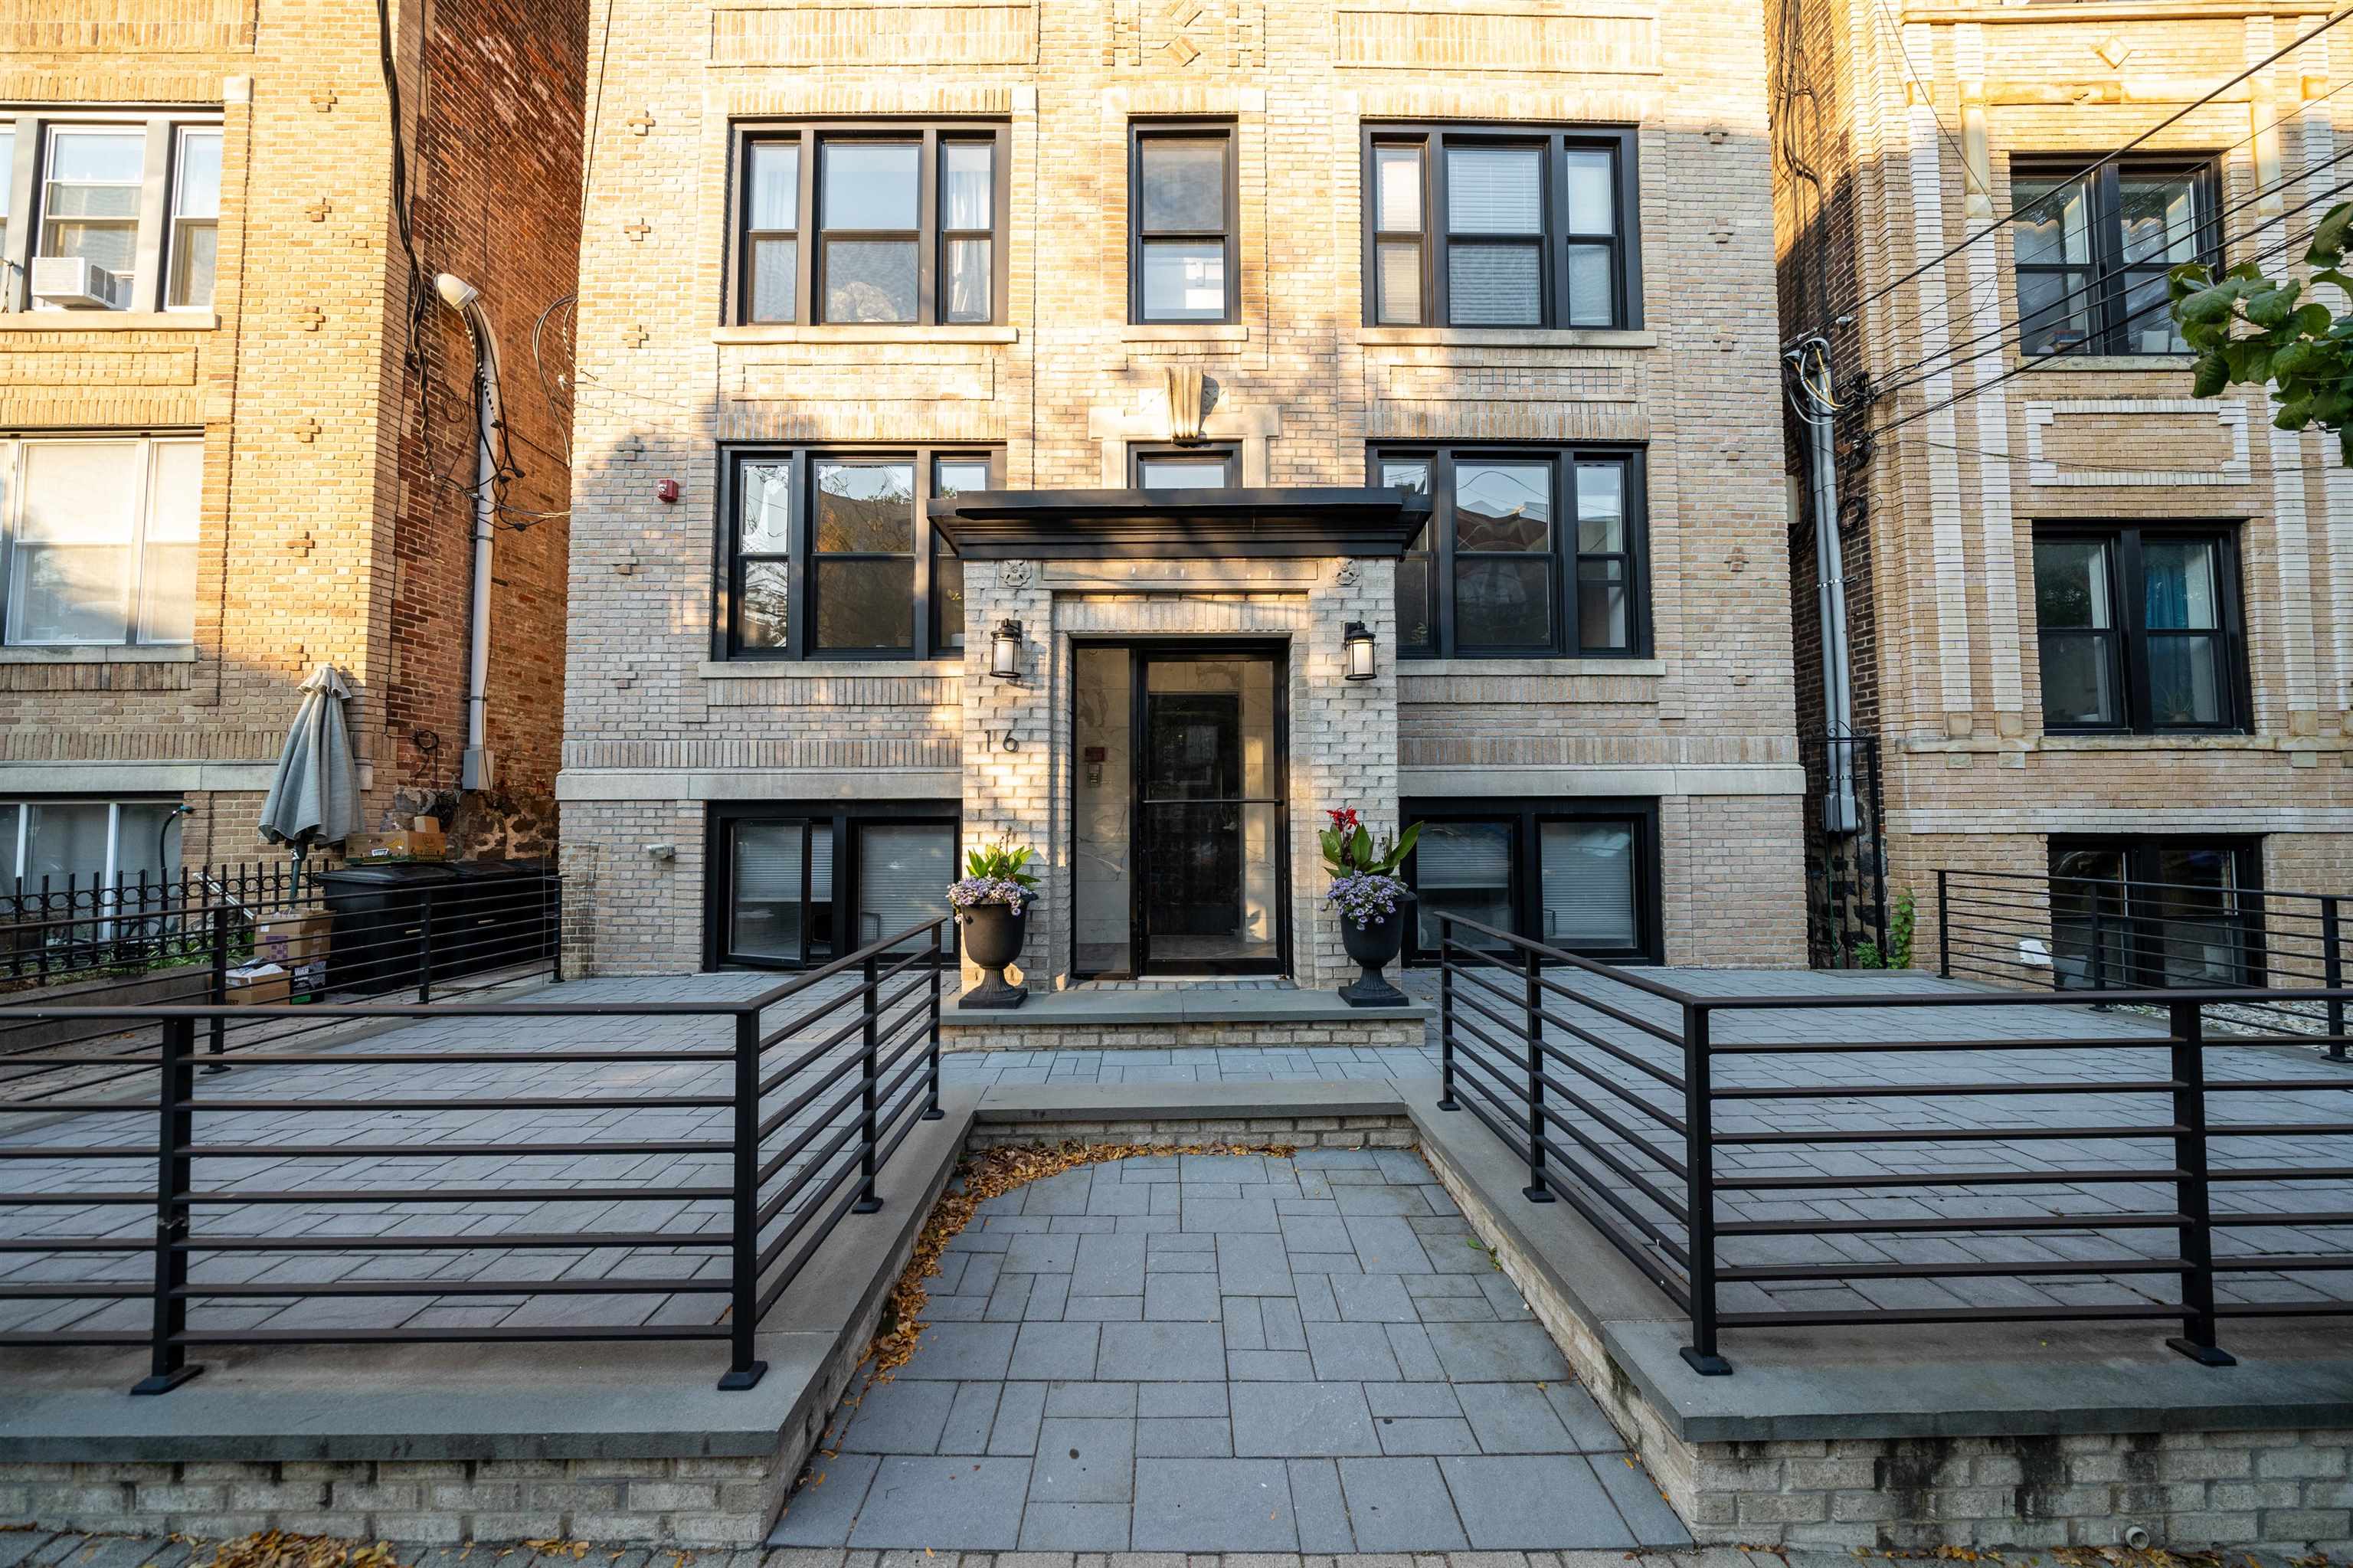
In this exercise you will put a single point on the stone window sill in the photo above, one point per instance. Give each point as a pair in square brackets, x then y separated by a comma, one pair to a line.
[109, 321]
[827, 669]
[852, 332]
[1184, 332]
[2111, 363]
[1514, 668]
[1488, 337]
[128, 655]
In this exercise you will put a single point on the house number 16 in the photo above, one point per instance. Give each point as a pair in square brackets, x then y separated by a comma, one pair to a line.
[1002, 739]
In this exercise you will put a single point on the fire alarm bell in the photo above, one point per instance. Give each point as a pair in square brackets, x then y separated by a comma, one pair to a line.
[666, 490]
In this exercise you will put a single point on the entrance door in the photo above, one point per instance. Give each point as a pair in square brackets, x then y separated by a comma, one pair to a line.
[1180, 810]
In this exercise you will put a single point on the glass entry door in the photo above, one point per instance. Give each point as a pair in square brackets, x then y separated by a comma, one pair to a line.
[1200, 790]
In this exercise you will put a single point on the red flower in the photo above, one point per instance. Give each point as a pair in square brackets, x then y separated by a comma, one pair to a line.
[1345, 818]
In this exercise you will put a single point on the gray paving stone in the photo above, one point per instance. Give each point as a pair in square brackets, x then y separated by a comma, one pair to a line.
[1279, 1320]
[1073, 1527]
[1448, 1308]
[1424, 1435]
[962, 1351]
[1009, 1302]
[1213, 1505]
[1589, 1431]
[1417, 1362]
[1180, 1298]
[1503, 1297]
[1647, 1513]
[1496, 1353]
[1555, 1501]
[1018, 1411]
[1381, 1201]
[1302, 1420]
[1162, 1352]
[1253, 1265]
[1373, 1299]
[1316, 1232]
[1090, 1399]
[1064, 1194]
[1108, 1265]
[1245, 1328]
[1419, 1286]
[1316, 1301]
[1511, 1418]
[1386, 1244]
[970, 1418]
[1411, 1399]
[1400, 1505]
[1043, 1255]
[1118, 1198]
[1055, 1351]
[1359, 1352]
[1083, 1460]
[1048, 1293]
[972, 1505]
[1269, 1366]
[1193, 1168]
[1102, 1309]
[1321, 1509]
[900, 1418]
[822, 1509]
[1183, 1436]
[1181, 1262]
[1230, 1215]
[1180, 1399]
[1325, 1263]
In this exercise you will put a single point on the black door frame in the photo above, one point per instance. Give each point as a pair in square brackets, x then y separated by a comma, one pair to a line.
[1276, 652]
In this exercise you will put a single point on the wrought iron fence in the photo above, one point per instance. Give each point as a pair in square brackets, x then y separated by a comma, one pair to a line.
[2094, 933]
[762, 1134]
[55, 929]
[1639, 1102]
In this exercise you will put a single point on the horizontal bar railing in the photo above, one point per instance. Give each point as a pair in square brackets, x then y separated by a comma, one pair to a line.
[779, 1114]
[1597, 1122]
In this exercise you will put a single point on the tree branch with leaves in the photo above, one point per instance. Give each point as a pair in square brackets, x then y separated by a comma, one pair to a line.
[2250, 330]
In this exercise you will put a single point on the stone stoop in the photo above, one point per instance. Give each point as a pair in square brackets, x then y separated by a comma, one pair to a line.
[1192, 1017]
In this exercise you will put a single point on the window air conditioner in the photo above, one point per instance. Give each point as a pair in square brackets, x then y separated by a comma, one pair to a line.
[76, 282]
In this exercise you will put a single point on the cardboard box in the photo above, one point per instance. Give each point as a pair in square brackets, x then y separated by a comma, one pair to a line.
[309, 982]
[403, 843]
[258, 985]
[291, 937]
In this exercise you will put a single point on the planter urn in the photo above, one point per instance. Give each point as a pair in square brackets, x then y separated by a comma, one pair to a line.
[993, 934]
[1372, 948]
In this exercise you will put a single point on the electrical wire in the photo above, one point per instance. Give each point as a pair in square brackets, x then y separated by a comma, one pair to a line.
[2055, 361]
[1974, 295]
[2100, 279]
[2106, 158]
[2014, 333]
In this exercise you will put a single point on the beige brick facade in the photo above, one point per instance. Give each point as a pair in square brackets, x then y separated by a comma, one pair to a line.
[658, 729]
[337, 473]
[1915, 124]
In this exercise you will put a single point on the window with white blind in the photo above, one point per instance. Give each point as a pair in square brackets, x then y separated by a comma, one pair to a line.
[1574, 875]
[1501, 225]
[799, 885]
[77, 845]
[133, 194]
[102, 539]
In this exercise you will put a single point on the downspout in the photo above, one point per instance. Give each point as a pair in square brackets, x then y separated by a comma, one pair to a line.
[476, 768]
[1839, 814]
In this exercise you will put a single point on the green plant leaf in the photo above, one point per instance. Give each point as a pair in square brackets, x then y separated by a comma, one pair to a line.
[2328, 239]
[2213, 374]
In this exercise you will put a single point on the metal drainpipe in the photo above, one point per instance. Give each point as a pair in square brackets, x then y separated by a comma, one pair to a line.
[475, 769]
[1839, 814]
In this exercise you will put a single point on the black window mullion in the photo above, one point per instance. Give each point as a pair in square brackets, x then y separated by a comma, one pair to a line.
[1442, 547]
[2108, 253]
[1556, 239]
[1439, 305]
[927, 226]
[2131, 624]
[926, 641]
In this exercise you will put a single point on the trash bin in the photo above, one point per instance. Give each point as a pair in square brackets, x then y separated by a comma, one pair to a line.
[496, 917]
[382, 918]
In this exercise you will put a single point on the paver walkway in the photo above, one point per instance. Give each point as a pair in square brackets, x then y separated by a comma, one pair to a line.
[1227, 1353]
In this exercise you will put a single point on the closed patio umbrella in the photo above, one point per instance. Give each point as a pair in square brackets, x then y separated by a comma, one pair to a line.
[314, 795]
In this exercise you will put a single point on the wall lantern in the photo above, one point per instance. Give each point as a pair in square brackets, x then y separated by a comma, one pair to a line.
[1357, 640]
[1005, 651]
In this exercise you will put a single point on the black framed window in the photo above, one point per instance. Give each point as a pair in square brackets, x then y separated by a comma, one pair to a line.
[871, 221]
[1528, 551]
[831, 554]
[1182, 261]
[799, 883]
[2140, 628]
[1185, 468]
[121, 208]
[1574, 875]
[2146, 911]
[1501, 226]
[2092, 250]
